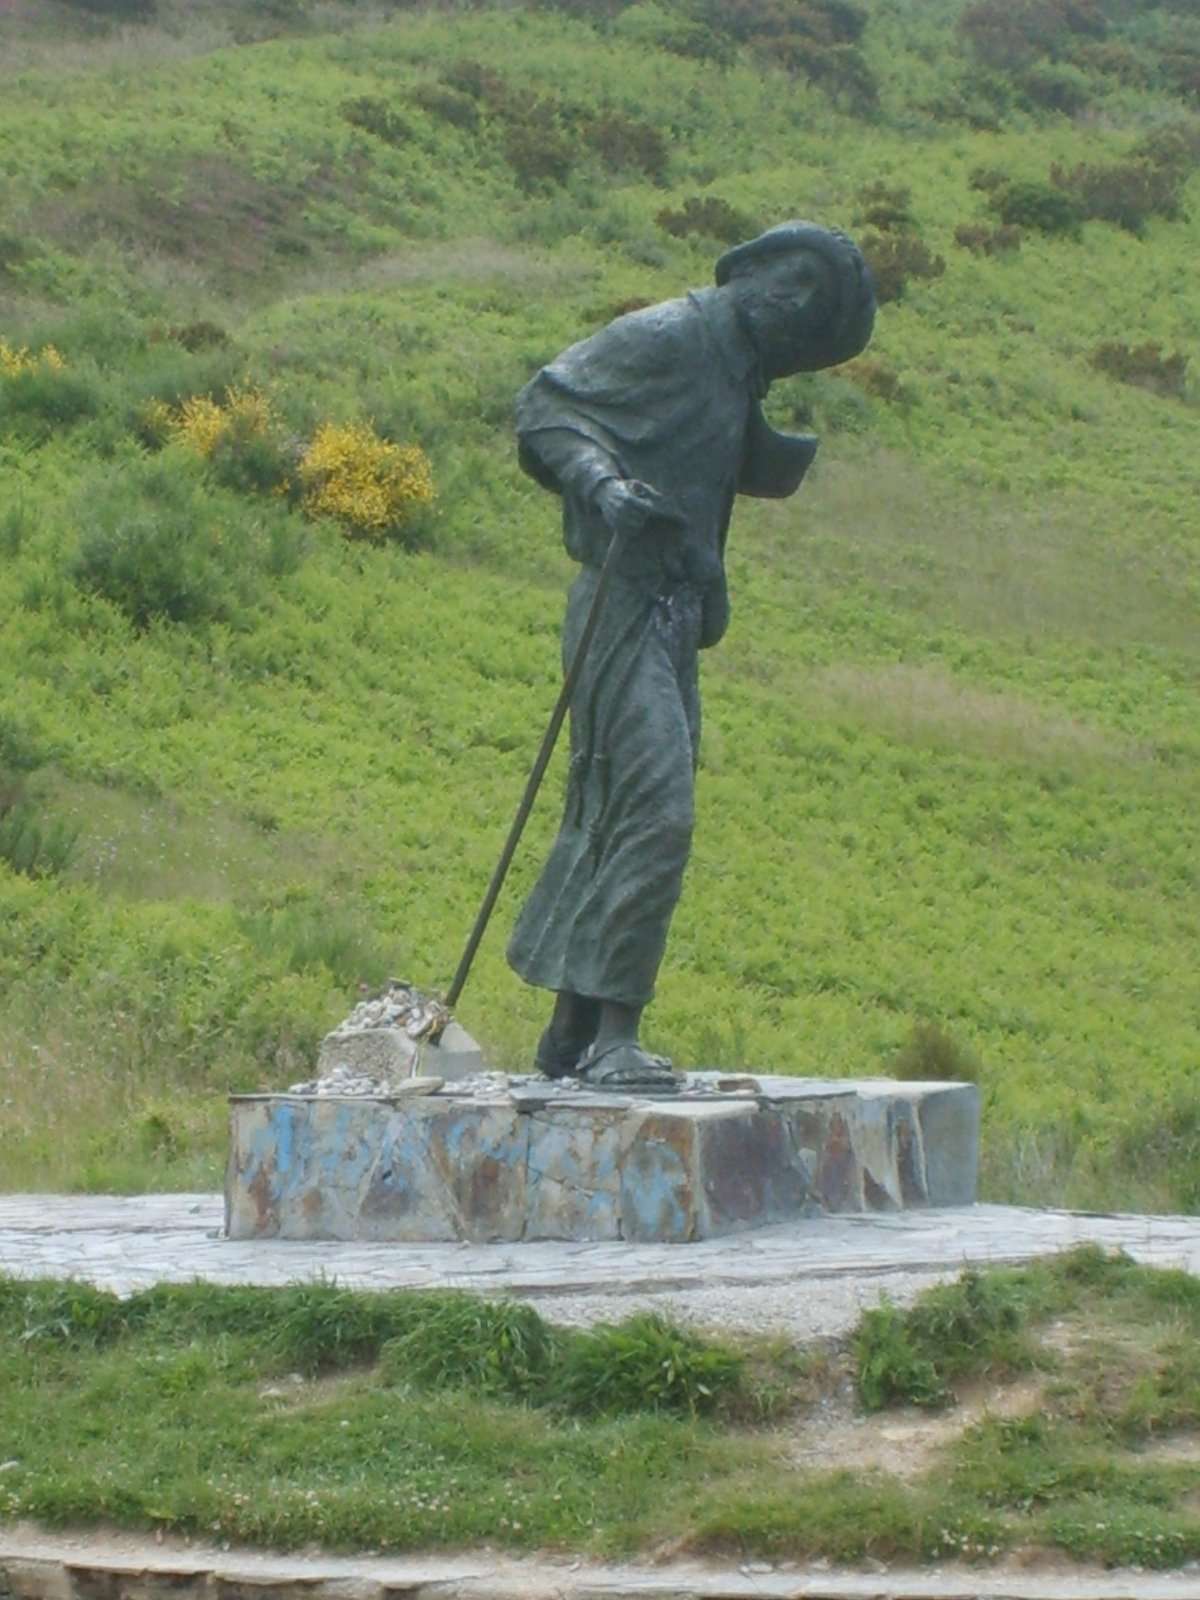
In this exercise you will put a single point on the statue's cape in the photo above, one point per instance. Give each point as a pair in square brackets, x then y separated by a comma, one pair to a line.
[640, 386]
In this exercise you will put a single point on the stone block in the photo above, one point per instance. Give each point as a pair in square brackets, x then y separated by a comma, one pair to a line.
[949, 1120]
[530, 1159]
[389, 1055]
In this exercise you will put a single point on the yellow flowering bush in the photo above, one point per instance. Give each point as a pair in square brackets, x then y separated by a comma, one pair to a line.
[13, 362]
[368, 483]
[202, 424]
[348, 471]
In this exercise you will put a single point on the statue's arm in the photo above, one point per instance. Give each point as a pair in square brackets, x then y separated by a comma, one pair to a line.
[567, 461]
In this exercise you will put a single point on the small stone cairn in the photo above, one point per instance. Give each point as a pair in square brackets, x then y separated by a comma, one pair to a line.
[400, 1042]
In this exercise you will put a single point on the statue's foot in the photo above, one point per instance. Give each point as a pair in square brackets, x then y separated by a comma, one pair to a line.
[558, 1053]
[627, 1069]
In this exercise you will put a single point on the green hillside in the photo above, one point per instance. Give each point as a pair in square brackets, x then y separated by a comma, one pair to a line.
[258, 746]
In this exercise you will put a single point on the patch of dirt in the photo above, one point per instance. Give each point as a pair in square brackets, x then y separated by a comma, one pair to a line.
[902, 1441]
[1175, 1448]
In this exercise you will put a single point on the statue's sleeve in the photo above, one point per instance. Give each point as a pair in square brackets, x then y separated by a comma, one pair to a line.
[599, 402]
[567, 460]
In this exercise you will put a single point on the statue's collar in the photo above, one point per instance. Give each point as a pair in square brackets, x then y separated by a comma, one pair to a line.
[721, 319]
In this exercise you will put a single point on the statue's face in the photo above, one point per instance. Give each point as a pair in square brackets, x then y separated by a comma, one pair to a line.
[785, 302]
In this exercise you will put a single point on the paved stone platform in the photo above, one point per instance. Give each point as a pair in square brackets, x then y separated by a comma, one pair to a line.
[805, 1278]
[521, 1158]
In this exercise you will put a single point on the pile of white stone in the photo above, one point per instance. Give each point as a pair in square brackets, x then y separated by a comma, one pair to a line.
[398, 1042]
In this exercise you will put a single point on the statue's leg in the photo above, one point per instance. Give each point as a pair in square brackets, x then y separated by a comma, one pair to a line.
[618, 1025]
[572, 1028]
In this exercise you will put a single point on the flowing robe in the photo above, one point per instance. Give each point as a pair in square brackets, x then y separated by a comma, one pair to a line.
[671, 396]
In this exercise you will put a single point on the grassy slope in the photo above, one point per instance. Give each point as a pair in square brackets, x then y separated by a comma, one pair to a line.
[950, 761]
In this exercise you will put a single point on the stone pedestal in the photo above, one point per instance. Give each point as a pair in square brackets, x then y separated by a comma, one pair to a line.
[527, 1159]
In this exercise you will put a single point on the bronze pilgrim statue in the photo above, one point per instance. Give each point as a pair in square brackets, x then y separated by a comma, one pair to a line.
[647, 431]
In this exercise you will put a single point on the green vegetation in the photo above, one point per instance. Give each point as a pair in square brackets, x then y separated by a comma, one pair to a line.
[948, 800]
[403, 1421]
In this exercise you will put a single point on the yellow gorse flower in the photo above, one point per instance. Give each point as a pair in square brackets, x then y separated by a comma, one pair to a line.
[14, 361]
[369, 483]
[201, 423]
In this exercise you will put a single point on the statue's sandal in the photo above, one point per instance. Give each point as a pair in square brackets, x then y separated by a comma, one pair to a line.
[627, 1069]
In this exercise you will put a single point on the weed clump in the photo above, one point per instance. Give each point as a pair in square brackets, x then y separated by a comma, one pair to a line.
[972, 1326]
[30, 843]
[459, 1341]
[930, 1054]
[645, 1364]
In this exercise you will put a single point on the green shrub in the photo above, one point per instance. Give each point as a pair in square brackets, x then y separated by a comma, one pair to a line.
[1006, 35]
[250, 461]
[1181, 70]
[626, 144]
[40, 398]
[1144, 366]
[1028, 203]
[539, 147]
[13, 251]
[708, 217]
[645, 1363]
[118, 10]
[816, 39]
[32, 844]
[840, 71]
[981, 240]
[448, 104]
[895, 258]
[1128, 193]
[200, 335]
[478, 81]
[376, 117]
[1055, 88]
[876, 378]
[827, 21]
[887, 207]
[162, 549]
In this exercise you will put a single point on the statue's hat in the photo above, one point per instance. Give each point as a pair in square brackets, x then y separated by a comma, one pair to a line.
[847, 321]
[781, 240]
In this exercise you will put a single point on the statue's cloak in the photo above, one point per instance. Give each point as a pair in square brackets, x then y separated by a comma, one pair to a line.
[669, 395]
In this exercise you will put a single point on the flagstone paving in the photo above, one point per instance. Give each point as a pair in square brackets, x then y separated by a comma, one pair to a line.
[807, 1278]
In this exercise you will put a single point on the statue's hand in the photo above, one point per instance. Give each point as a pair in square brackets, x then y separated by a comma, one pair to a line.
[634, 508]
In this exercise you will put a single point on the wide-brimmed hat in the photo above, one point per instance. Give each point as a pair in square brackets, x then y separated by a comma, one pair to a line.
[849, 321]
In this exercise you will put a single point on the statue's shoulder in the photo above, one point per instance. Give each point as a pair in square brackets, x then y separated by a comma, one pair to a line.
[665, 323]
